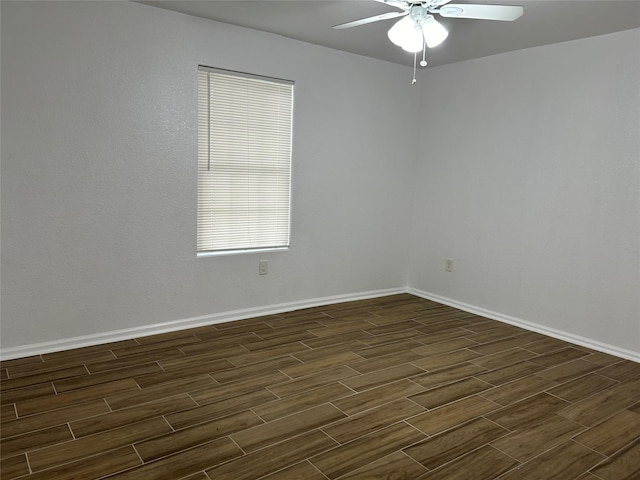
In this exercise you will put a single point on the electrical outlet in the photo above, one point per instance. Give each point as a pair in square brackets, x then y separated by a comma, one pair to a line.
[448, 264]
[263, 267]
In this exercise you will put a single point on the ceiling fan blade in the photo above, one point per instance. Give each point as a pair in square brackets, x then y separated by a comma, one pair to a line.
[481, 12]
[402, 4]
[377, 18]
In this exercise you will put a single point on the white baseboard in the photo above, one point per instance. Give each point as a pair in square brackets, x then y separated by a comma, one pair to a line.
[144, 331]
[551, 332]
[129, 333]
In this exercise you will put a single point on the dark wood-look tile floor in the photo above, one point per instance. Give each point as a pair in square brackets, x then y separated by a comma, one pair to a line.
[396, 387]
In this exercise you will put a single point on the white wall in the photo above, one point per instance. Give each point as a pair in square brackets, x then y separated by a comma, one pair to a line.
[99, 170]
[529, 178]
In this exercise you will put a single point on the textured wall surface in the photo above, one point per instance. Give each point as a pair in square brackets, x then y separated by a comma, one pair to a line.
[99, 170]
[528, 177]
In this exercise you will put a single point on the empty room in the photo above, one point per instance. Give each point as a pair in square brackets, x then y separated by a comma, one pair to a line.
[240, 243]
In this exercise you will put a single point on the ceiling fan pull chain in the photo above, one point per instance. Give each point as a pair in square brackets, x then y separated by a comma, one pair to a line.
[423, 63]
[415, 58]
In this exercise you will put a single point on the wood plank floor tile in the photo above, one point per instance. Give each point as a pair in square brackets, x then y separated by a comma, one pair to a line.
[53, 365]
[600, 358]
[596, 408]
[27, 380]
[181, 374]
[445, 447]
[629, 389]
[219, 341]
[536, 437]
[267, 354]
[396, 466]
[612, 434]
[503, 358]
[299, 471]
[369, 421]
[378, 340]
[428, 338]
[503, 375]
[52, 418]
[445, 346]
[131, 398]
[294, 328]
[582, 387]
[269, 411]
[365, 450]
[485, 463]
[96, 466]
[283, 428]
[13, 467]
[254, 369]
[545, 346]
[451, 392]
[273, 458]
[625, 465]
[353, 336]
[212, 411]
[87, 352]
[518, 390]
[321, 353]
[447, 375]
[623, 371]
[278, 340]
[524, 412]
[568, 371]
[34, 359]
[150, 347]
[371, 398]
[558, 357]
[62, 400]
[24, 443]
[564, 461]
[437, 362]
[499, 345]
[297, 369]
[387, 348]
[309, 382]
[194, 359]
[76, 449]
[391, 327]
[219, 393]
[25, 393]
[340, 328]
[84, 381]
[381, 377]
[174, 442]
[184, 463]
[7, 414]
[451, 415]
[379, 363]
[133, 360]
[197, 476]
[107, 421]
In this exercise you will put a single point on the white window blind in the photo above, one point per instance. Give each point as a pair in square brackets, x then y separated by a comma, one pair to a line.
[244, 161]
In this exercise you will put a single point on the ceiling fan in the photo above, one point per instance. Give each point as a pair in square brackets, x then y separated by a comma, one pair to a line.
[419, 26]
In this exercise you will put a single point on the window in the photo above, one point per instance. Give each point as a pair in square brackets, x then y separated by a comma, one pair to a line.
[244, 161]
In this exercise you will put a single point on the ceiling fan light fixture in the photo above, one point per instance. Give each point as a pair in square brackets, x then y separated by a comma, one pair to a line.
[433, 31]
[406, 35]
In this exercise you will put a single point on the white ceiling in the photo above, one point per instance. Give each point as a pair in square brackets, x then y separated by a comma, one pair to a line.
[544, 22]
